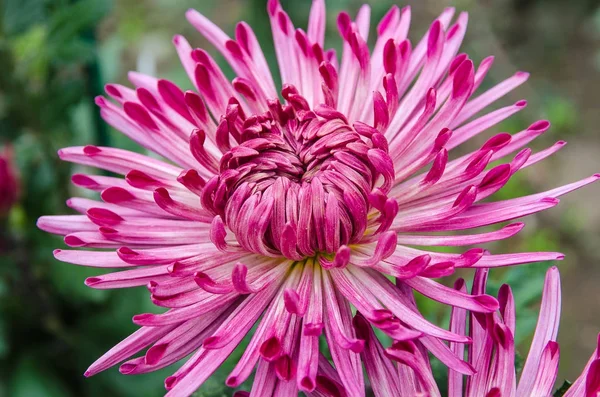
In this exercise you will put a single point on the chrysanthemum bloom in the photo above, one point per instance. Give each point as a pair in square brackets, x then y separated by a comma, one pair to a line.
[286, 214]
[9, 187]
[492, 353]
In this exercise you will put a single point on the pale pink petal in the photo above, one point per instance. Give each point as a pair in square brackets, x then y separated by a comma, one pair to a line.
[545, 331]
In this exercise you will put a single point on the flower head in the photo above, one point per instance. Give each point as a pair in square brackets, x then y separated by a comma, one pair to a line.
[288, 214]
[492, 353]
[9, 188]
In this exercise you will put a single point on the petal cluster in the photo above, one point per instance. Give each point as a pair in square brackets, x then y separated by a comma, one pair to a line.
[288, 214]
[491, 353]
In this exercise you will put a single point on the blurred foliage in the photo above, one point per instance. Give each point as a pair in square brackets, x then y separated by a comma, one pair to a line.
[55, 55]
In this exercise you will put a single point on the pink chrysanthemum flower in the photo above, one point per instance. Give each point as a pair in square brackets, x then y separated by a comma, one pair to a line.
[492, 353]
[9, 185]
[288, 214]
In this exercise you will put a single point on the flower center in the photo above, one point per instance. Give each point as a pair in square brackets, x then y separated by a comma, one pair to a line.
[299, 183]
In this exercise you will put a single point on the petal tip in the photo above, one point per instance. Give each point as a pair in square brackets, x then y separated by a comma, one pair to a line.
[91, 281]
[73, 241]
[127, 368]
[170, 382]
[521, 104]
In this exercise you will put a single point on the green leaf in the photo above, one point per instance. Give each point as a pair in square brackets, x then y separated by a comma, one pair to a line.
[69, 281]
[563, 389]
[75, 50]
[15, 20]
[563, 114]
[30, 56]
[4, 346]
[519, 362]
[72, 20]
[32, 378]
